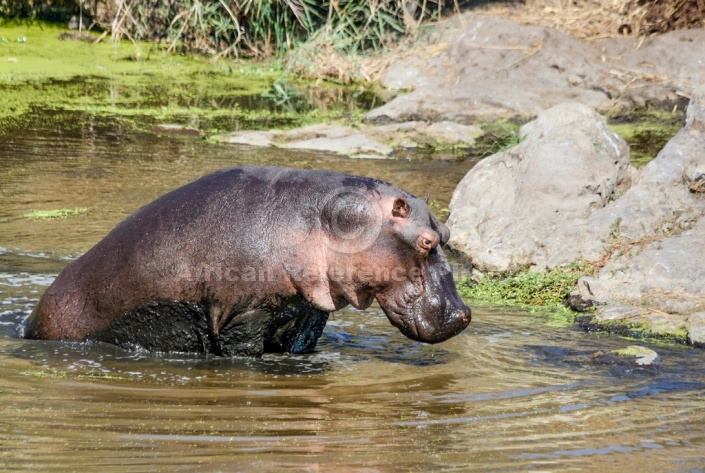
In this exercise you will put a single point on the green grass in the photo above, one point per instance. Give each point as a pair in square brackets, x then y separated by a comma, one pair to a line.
[50, 214]
[498, 137]
[547, 289]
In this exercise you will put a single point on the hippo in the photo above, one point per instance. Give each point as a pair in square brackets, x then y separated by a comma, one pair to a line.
[251, 260]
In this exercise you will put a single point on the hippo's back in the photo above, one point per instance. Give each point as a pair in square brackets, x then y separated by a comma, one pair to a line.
[230, 220]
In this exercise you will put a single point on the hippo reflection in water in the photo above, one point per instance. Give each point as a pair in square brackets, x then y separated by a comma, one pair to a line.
[249, 260]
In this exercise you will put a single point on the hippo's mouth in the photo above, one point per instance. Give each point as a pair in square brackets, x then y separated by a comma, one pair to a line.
[424, 329]
[400, 319]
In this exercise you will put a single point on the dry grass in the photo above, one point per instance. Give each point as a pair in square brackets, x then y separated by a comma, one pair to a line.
[321, 59]
[591, 19]
[698, 186]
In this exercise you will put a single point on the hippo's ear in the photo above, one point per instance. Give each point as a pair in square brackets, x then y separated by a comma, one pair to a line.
[400, 208]
[427, 198]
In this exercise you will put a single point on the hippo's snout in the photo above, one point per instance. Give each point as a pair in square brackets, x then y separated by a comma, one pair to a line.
[437, 314]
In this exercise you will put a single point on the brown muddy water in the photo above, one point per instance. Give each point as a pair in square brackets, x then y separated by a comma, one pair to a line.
[511, 393]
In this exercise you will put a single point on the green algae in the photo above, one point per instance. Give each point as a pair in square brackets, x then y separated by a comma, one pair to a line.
[144, 86]
[51, 214]
[53, 373]
[41, 55]
[541, 292]
[547, 289]
[545, 293]
[635, 331]
[647, 131]
[632, 350]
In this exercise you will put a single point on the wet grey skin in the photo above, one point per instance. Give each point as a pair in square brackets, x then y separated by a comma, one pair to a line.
[249, 260]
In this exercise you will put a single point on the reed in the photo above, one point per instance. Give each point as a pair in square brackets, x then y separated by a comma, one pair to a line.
[49, 10]
[263, 28]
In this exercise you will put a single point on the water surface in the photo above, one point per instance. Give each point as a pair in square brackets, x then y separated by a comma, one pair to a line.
[511, 393]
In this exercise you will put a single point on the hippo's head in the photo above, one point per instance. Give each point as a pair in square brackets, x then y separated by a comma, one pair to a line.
[425, 306]
[429, 308]
[399, 261]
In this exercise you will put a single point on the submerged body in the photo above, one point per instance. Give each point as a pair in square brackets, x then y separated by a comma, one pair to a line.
[253, 259]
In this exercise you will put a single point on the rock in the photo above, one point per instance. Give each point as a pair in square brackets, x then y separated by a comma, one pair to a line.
[311, 132]
[176, 129]
[493, 67]
[563, 195]
[696, 329]
[664, 68]
[346, 141]
[412, 135]
[633, 355]
[405, 75]
[496, 68]
[362, 142]
[347, 145]
[655, 240]
[513, 209]
[253, 138]
[453, 133]
[667, 275]
[661, 202]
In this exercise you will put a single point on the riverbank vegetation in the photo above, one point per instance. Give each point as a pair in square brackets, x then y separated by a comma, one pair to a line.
[329, 39]
[319, 40]
[525, 288]
[252, 28]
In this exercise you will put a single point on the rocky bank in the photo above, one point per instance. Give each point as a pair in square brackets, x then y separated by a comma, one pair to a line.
[477, 69]
[567, 194]
[488, 68]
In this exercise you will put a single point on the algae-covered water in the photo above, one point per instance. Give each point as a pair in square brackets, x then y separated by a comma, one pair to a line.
[511, 393]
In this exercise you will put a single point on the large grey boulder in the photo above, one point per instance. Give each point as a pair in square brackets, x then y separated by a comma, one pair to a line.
[513, 209]
[493, 67]
[655, 238]
[661, 202]
[667, 275]
[564, 195]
